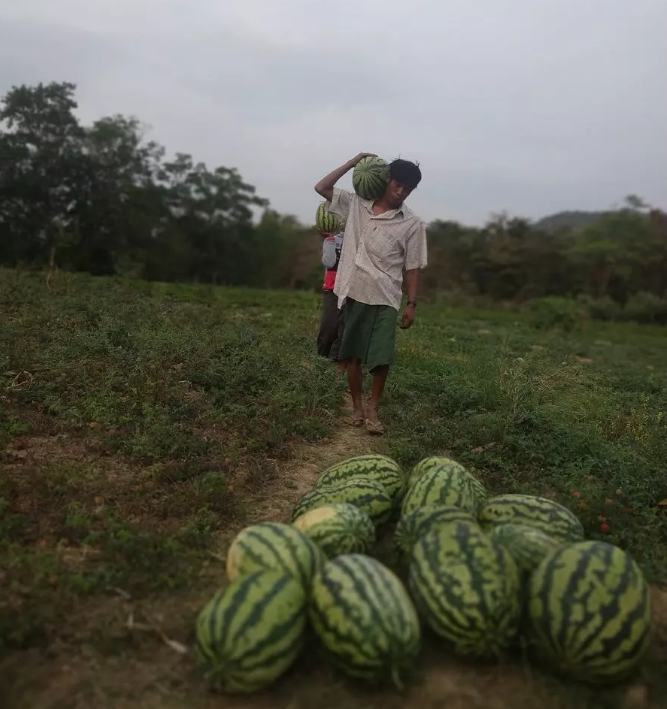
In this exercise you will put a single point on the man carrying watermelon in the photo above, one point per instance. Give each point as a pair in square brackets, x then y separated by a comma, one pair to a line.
[383, 238]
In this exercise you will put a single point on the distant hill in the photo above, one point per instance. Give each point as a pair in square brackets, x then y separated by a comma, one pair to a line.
[567, 220]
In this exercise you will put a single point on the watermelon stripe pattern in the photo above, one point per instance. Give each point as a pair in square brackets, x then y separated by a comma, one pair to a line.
[251, 632]
[368, 495]
[527, 545]
[378, 468]
[365, 619]
[436, 462]
[338, 529]
[370, 177]
[467, 588]
[540, 512]
[272, 545]
[440, 486]
[326, 221]
[590, 611]
[412, 526]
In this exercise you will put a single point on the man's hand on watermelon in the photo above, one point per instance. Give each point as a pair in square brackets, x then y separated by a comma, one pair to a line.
[325, 186]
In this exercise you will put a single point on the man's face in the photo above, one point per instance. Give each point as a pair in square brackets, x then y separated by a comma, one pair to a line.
[397, 193]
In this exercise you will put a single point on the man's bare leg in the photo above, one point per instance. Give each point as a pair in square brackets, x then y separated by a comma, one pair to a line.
[354, 379]
[379, 380]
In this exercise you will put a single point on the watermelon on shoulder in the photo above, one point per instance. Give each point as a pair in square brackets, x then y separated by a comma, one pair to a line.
[370, 177]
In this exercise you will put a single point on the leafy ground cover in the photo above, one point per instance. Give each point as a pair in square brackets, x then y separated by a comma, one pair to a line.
[142, 424]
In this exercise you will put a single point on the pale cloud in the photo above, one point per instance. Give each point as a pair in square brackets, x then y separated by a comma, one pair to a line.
[527, 106]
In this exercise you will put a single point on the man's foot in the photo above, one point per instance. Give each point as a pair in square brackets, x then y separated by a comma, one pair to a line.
[354, 420]
[373, 424]
[357, 419]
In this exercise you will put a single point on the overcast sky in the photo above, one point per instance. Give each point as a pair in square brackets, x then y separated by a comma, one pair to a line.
[532, 106]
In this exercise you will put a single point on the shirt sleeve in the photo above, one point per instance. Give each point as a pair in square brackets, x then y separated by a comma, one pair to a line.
[329, 252]
[415, 247]
[341, 202]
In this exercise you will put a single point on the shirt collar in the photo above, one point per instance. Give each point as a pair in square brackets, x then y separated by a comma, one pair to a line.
[368, 203]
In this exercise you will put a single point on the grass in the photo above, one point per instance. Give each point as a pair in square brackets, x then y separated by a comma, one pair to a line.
[142, 424]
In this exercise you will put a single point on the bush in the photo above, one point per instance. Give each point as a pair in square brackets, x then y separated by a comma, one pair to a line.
[646, 308]
[604, 308]
[554, 312]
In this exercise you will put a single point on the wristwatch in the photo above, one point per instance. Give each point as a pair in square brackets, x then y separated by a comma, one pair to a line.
[412, 302]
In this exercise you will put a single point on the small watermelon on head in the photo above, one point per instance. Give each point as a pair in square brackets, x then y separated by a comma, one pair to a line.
[370, 177]
[338, 529]
[252, 631]
[326, 221]
[589, 609]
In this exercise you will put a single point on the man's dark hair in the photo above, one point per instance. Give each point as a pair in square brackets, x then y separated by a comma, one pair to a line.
[405, 172]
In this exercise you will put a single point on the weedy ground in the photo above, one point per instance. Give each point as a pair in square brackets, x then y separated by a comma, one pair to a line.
[142, 425]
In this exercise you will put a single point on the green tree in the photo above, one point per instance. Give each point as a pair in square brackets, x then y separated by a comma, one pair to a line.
[41, 168]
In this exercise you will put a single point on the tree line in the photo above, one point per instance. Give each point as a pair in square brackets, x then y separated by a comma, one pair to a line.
[103, 199]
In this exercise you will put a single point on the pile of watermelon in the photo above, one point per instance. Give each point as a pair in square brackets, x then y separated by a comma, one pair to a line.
[482, 574]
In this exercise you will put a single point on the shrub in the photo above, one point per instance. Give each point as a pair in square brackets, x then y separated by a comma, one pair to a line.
[554, 312]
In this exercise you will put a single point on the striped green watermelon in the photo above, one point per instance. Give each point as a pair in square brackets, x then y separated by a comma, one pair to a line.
[441, 463]
[590, 611]
[378, 468]
[370, 177]
[250, 632]
[326, 221]
[527, 545]
[365, 618]
[441, 486]
[413, 525]
[272, 545]
[338, 529]
[540, 512]
[467, 588]
[368, 495]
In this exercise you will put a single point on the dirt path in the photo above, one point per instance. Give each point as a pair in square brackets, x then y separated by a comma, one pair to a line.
[299, 476]
[145, 670]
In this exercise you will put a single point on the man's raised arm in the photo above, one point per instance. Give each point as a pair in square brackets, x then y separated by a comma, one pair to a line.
[326, 185]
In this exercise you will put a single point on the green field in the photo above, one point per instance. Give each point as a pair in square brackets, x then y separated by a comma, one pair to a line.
[141, 425]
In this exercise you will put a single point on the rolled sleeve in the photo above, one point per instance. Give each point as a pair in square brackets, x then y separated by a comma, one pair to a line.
[415, 247]
[341, 202]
